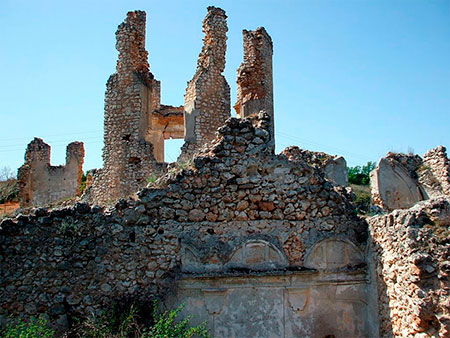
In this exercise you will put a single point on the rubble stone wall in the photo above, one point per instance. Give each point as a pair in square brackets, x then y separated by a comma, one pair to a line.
[334, 167]
[41, 183]
[207, 98]
[401, 180]
[132, 94]
[240, 209]
[412, 250]
[254, 77]
[436, 159]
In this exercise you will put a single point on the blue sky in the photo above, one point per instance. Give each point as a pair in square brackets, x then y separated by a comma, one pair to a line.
[354, 78]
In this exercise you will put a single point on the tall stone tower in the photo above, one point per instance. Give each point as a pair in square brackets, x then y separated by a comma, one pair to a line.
[254, 77]
[132, 94]
[207, 98]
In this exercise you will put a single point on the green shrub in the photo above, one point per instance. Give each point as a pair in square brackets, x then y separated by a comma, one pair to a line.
[166, 326]
[360, 175]
[112, 324]
[33, 329]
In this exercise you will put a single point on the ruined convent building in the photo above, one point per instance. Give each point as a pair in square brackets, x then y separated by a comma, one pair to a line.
[254, 243]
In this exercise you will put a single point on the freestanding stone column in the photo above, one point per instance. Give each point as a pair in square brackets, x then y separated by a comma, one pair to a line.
[207, 98]
[132, 93]
[254, 77]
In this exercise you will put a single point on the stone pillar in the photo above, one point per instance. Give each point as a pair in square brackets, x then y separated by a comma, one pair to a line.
[132, 94]
[207, 98]
[74, 163]
[254, 77]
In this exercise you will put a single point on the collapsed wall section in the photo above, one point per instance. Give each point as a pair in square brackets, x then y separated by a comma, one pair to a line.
[41, 183]
[411, 251]
[402, 180]
[254, 77]
[207, 98]
[334, 167]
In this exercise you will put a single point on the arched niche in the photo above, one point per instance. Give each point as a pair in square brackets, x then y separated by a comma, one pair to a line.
[191, 262]
[257, 254]
[333, 253]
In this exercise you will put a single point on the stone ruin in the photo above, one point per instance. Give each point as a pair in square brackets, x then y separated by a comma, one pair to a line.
[401, 180]
[254, 243]
[41, 183]
[334, 167]
[207, 98]
[254, 77]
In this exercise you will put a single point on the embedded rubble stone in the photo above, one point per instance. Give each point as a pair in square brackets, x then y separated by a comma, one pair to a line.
[334, 167]
[411, 250]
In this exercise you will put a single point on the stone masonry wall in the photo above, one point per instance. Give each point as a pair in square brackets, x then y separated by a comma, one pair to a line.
[334, 167]
[195, 221]
[132, 94]
[412, 251]
[436, 159]
[41, 183]
[402, 180]
[254, 77]
[207, 98]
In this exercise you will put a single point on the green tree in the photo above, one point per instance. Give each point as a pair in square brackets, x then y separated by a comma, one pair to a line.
[360, 175]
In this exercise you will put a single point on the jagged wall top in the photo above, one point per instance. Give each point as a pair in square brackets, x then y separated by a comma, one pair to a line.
[214, 41]
[130, 43]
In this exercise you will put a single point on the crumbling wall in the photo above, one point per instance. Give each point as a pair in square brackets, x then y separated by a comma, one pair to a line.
[254, 77]
[41, 183]
[412, 251]
[437, 161]
[240, 210]
[132, 93]
[334, 167]
[401, 180]
[207, 98]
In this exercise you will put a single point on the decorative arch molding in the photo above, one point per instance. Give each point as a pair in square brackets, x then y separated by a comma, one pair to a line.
[257, 254]
[333, 253]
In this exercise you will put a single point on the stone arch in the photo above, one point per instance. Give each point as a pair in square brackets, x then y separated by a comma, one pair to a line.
[193, 261]
[333, 253]
[189, 258]
[257, 254]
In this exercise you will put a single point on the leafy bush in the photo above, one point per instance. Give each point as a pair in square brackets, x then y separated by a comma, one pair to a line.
[112, 324]
[360, 175]
[166, 327]
[33, 329]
